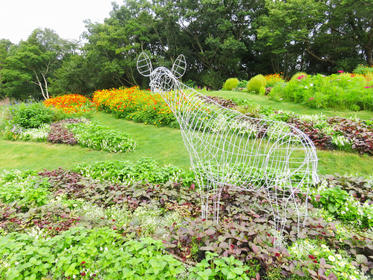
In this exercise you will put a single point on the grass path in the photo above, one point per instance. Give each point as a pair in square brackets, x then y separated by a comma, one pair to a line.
[162, 144]
[288, 106]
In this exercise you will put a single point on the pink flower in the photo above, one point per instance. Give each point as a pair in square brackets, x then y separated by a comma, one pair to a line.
[312, 98]
[367, 87]
[341, 71]
[300, 77]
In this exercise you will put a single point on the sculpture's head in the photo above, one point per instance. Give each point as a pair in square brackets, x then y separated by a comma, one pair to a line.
[161, 78]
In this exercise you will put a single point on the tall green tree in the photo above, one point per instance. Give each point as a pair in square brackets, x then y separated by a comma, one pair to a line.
[288, 31]
[29, 66]
[5, 46]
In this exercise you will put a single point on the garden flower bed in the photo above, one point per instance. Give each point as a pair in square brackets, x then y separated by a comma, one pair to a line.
[101, 221]
[36, 122]
[326, 133]
[71, 103]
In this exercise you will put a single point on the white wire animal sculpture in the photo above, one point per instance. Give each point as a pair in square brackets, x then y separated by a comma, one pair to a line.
[227, 148]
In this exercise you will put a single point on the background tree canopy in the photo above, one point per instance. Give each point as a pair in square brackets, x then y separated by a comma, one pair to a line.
[220, 39]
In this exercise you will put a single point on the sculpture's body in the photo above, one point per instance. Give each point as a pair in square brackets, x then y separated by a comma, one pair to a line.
[229, 148]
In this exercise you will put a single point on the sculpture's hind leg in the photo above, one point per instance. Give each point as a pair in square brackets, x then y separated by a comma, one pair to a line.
[204, 204]
[216, 198]
[210, 202]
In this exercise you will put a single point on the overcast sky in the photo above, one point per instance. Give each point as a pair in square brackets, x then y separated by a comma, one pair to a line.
[18, 18]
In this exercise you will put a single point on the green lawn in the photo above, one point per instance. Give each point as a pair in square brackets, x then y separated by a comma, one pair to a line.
[162, 144]
[287, 106]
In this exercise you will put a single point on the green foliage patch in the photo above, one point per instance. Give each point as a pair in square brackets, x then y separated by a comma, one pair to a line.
[24, 189]
[230, 84]
[257, 84]
[83, 253]
[99, 137]
[144, 170]
[31, 115]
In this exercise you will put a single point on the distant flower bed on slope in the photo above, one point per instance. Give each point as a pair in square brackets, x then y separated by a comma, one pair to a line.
[341, 91]
[326, 133]
[135, 104]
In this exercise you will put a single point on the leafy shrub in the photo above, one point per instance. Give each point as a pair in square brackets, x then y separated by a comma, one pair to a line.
[230, 84]
[363, 69]
[242, 84]
[257, 84]
[299, 76]
[98, 137]
[30, 115]
[213, 267]
[83, 253]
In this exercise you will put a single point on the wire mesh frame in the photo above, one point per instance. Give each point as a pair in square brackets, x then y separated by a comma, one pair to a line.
[227, 148]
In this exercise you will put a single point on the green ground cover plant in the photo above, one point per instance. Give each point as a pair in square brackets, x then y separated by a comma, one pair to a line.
[85, 254]
[82, 216]
[99, 137]
[144, 170]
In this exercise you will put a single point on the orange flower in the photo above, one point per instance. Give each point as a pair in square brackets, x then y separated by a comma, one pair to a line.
[70, 103]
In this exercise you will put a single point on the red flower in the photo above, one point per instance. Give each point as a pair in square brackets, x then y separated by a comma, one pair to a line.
[341, 71]
[83, 273]
[311, 257]
[82, 263]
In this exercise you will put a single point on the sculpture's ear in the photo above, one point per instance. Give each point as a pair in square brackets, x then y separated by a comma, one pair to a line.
[179, 67]
[144, 65]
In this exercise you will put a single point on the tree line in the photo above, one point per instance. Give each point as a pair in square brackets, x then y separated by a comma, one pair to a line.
[219, 38]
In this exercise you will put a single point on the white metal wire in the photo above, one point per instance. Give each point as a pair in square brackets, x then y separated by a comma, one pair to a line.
[227, 148]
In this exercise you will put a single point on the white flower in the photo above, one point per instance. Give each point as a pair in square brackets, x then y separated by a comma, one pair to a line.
[324, 246]
[339, 257]
[331, 258]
